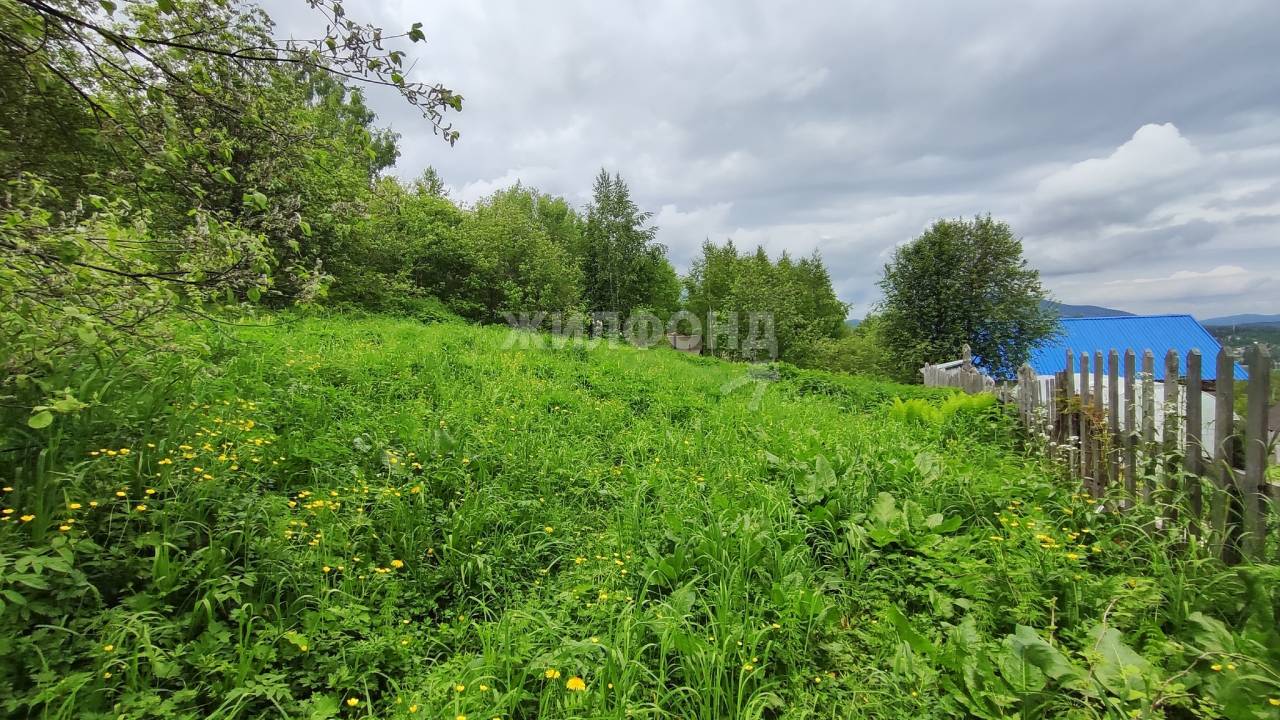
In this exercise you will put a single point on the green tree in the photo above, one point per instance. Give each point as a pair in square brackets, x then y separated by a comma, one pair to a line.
[430, 183]
[798, 296]
[962, 282]
[172, 155]
[624, 267]
[517, 264]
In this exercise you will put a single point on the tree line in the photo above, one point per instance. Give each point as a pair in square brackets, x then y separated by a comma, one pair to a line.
[171, 159]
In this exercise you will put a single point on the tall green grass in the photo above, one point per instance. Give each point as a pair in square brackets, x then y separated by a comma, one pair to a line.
[369, 517]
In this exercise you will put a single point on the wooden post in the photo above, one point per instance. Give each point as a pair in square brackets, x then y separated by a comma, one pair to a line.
[1130, 426]
[1068, 400]
[1255, 451]
[1194, 452]
[1051, 407]
[1058, 412]
[1113, 418]
[1099, 433]
[1169, 438]
[1086, 429]
[1225, 507]
[1148, 420]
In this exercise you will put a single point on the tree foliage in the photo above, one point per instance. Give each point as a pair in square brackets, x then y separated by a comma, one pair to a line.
[625, 268]
[173, 156]
[796, 295]
[962, 282]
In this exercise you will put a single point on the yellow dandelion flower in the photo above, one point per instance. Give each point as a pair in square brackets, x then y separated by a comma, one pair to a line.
[150, 491]
[1231, 666]
[483, 687]
[8, 511]
[27, 518]
[397, 564]
[74, 506]
[548, 529]
[64, 528]
[326, 568]
[140, 508]
[352, 702]
[460, 717]
[459, 687]
[579, 560]
[413, 708]
[551, 673]
[93, 503]
[575, 684]
[1215, 667]
[1274, 702]
[108, 648]
[120, 493]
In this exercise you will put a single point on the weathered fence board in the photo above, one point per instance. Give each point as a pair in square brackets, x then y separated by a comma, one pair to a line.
[1130, 424]
[1255, 450]
[1223, 453]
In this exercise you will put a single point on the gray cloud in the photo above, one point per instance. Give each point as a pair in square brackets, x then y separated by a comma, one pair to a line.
[1129, 140]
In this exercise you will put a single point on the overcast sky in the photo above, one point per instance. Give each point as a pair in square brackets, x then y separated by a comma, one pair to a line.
[1134, 146]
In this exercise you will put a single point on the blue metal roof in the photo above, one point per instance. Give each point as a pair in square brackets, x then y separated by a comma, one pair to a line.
[1157, 333]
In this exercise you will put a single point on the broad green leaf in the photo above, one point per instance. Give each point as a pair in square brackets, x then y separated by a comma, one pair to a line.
[1026, 644]
[908, 634]
[1117, 667]
[884, 511]
[42, 419]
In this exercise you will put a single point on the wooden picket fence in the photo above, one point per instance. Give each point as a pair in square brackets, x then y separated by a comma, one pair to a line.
[1102, 421]
[958, 374]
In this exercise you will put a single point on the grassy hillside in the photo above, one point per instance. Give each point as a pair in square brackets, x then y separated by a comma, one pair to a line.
[371, 517]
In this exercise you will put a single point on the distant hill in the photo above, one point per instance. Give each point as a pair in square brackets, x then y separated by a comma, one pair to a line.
[853, 322]
[1081, 311]
[1245, 319]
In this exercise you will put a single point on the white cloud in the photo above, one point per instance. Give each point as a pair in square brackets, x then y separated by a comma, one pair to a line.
[1220, 272]
[1154, 153]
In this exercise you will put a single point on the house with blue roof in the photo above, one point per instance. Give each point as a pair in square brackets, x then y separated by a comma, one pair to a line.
[1157, 333]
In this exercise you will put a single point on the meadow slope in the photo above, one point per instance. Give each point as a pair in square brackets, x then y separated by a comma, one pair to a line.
[371, 517]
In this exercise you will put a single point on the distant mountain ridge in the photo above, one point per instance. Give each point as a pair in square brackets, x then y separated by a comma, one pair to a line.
[1243, 319]
[1082, 311]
